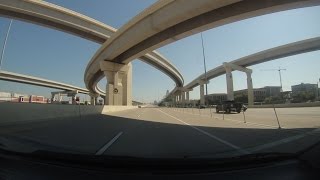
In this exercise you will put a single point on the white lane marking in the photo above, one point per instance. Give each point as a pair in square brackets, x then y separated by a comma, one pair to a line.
[282, 141]
[210, 135]
[279, 142]
[250, 123]
[106, 146]
[142, 111]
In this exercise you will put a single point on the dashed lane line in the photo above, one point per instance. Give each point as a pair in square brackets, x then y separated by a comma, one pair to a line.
[278, 142]
[249, 123]
[106, 146]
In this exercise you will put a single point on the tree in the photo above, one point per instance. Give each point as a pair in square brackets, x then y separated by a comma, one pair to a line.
[241, 98]
[273, 100]
[304, 96]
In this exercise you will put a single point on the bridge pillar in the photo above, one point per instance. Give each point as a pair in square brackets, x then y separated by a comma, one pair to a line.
[201, 94]
[202, 98]
[230, 95]
[73, 99]
[183, 99]
[60, 97]
[94, 98]
[187, 95]
[173, 100]
[250, 89]
[119, 83]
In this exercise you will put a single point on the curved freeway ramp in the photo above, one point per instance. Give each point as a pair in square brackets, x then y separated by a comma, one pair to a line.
[167, 21]
[21, 78]
[63, 19]
[291, 49]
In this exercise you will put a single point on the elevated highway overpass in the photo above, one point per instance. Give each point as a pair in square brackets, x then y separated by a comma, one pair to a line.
[26, 79]
[21, 78]
[286, 50]
[62, 19]
[168, 21]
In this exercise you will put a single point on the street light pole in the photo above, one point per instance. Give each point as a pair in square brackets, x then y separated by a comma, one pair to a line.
[204, 64]
[5, 43]
[318, 88]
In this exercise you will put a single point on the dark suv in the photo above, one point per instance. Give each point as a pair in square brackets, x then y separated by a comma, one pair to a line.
[229, 106]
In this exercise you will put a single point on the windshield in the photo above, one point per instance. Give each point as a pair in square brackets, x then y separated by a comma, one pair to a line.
[159, 79]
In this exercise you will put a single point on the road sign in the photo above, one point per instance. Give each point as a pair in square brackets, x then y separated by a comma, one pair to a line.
[115, 91]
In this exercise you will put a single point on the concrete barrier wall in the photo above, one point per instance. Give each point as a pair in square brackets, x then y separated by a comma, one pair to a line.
[23, 112]
[109, 109]
[315, 104]
[11, 113]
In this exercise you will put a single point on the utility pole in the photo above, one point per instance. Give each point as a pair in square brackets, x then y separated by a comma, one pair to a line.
[5, 43]
[279, 70]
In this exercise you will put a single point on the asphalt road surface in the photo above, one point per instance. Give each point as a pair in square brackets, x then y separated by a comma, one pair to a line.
[170, 132]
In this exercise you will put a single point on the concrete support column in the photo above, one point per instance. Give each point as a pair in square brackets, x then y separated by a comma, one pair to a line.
[119, 83]
[250, 89]
[52, 97]
[202, 97]
[93, 98]
[183, 95]
[73, 99]
[202, 101]
[127, 87]
[173, 100]
[187, 97]
[60, 97]
[187, 100]
[229, 79]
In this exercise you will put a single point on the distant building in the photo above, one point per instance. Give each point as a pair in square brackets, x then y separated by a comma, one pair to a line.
[167, 93]
[274, 91]
[304, 87]
[304, 92]
[22, 98]
[260, 94]
[287, 95]
[215, 98]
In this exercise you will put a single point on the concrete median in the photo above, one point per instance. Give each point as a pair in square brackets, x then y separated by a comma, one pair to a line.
[24, 112]
[314, 104]
[28, 112]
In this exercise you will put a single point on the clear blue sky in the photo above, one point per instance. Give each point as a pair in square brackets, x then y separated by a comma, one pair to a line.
[42, 52]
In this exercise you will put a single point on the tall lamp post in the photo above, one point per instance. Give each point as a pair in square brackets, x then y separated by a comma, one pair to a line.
[205, 67]
[318, 89]
[5, 43]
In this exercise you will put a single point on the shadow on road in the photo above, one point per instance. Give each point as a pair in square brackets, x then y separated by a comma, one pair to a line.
[158, 139]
